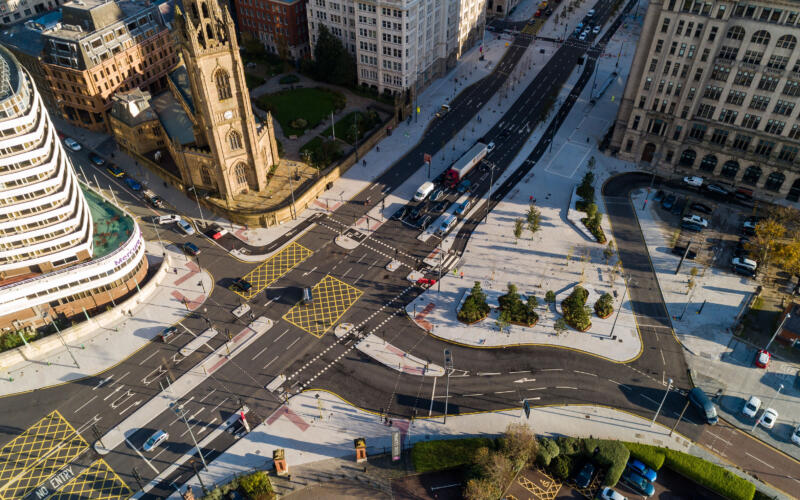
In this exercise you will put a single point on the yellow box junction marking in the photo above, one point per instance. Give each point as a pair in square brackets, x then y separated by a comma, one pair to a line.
[273, 268]
[43, 448]
[98, 481]
[332, 298]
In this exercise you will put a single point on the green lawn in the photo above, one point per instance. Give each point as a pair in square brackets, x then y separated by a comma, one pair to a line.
[322, 152]
[310, 104]
[446, 453]
[345, 127]
[252, 80]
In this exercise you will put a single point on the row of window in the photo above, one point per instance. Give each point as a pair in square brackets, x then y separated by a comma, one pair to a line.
[751, 176]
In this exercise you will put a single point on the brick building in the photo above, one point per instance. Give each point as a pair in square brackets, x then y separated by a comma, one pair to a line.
[279, 24]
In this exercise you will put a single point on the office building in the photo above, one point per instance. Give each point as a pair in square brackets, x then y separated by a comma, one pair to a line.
[13, 11]
[280, 25]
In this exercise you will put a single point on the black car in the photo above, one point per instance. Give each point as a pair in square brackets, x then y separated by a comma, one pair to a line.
[400, 213]
[584, 477]
[668, 202]
[425, 222]
[699, 207]
[716, 189]
[438, 206]
[241, 285]
[437, 195]
[416, 212]
[744, 199]
[659, 195]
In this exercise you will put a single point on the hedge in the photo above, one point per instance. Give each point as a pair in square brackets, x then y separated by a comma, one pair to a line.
[704, 473]
[548, 449]
[446, 453]
[612, 454]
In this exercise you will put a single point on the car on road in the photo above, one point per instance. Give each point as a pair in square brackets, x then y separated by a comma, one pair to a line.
[72, 144]
[463, 186]
[490, 147]
[446, 225]
[668, 202]
[763, 358]
[167, 219]
[590, 13]
[744, 266]
[426, 282]
[596, 30]
[717, 189]
[167, 333]
[462, 207]
[538, 13]
[637, 483]
[443, 111]
[642, 469]
[700, 401]
[659, 195]
[696, 219]
[548, 11]
[694, 181]
[585, 475]
[751, 407]
[583, 35]
[241, 285]
[425, 222]
[607, 493]
[185, 227]
[156, 439]
[96, 159]
[115, 171]
[216, 232]
[700, 207]
[768, 418]
[133, 184]
[191, 249]
[437, 195]
[796, 435]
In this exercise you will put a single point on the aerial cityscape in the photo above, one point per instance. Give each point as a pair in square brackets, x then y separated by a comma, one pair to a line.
[399, 249]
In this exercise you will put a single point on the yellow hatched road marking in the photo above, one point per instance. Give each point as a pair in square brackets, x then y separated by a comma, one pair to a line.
[98, 481]
[273, 268]
[45, 468]
[332, 298]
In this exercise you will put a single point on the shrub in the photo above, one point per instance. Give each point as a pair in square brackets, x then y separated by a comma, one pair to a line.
[513, 310]
[611, 454]
[550, 296]
[591, 210]
[475, 307]
[288, 79]
[586, 192]
[569, 445]
[256, 485]
[593, 224]
[10, 340]
[299, 123]
[712, 476]
[574, 310]
[446, 453]
[562, 466]
[651, 456]
[604, 305]
[548, 449]
[581, 205]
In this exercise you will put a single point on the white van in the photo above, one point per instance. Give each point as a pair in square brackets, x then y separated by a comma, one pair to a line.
[423, 191]
[447, 225]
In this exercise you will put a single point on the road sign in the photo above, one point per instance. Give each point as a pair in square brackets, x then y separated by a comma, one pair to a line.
[395, 445]
[527, 407]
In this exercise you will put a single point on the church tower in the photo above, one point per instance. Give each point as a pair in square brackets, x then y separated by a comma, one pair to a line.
[223, 115]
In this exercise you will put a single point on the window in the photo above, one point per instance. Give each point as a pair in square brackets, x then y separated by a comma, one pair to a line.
[751, 121]
[795, 132]
[774, 127]
[698, 131]
[735, 33]
[744, 78]
[792, 88]
[241, 174]
[685, 112]
[712, 92]
[729, 169]
[759, 102]
[735, 97]
[784, 107]
[223, 85]
[691, 93]
[786, 42]
[778, 62]
[706, 111]
[678, 30]
[728, 53]
[708, 163]
[719, 137]
[659, 46]
[665, 25]
[653, 64]
[698, 74]
[666, 68]
[764, 148]
[647, 83]
[642, 101]
[788, 153]
[741, 142]
[728, 116]
[752, 57]
[676, 135]
[774, 181]
[712, 34]
[635, 125]
[234, 140]
[751, 175]
[706, 53]
[687, 158]
[768, 83]
[761, 37]
[720, 73]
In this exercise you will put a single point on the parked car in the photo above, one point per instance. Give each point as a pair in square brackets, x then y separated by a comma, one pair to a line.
[751, 407]
[596, 30]
[167, 333]
[585, 475]
[717, 189]
[668, 202]
[743, 266]
[190, 248]
[216, 232]
[426, 282]
[416, 212]
[583, 35]
[185, 227]
[696, 219]
[642, 469]
[637, 483]
[763, 358]
[240, 284]
[437, 194]
[700, 401]
[796, 435]
[168, 219]
[659, 195]
[400, 213]
[438, 206]
[691, 226]
[133, 184]
[700, 207]
[115, 171]
[490, 147]
[693, 181]
[607, 493]
[156, 439]
[96, 159]
[72, 144]
[768, 418]
[425, 222]
[462, 207]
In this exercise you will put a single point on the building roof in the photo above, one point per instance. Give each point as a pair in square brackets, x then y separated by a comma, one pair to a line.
[180, 77]
[793, 322]
[173, 118]
[132, 107]
[26, 37]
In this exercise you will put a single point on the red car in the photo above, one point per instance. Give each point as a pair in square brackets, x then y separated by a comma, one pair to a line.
[762, 358]
[426, 282]
[538, 13]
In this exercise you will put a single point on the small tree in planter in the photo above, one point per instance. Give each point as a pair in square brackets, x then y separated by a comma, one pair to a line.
[560, 326]
[475, 307]
[604, 306]
[515, 311]
[550, 297]
[575, 311]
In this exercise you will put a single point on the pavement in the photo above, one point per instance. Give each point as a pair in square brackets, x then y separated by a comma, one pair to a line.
[108, 344]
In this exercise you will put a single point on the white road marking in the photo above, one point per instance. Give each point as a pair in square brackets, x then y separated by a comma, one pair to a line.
[84, 404]
[207, 395]
[756, 458]
[503, 392]
[142, 456]
[649, 399]
[148, 357]
[259, 354]
[293, 343]
[480, 374]
[520, 371]
[470, 395]
[273, 360]
[565, 387]
[433, 395]
[281, 335]
[585, 373]
[551, 369]
[310, 271]
[721, 439]
[220, 404]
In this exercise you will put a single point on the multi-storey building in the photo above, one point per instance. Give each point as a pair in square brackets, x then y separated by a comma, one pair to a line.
[714, 91]
[101, 48]
[400, 44]
[279, 24]
[62, 251]
[12, 11]
[500, 8]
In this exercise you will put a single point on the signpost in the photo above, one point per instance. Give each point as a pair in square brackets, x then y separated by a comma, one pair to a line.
[396, 445]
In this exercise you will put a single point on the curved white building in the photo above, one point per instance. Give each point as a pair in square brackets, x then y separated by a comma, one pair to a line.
[55, 261]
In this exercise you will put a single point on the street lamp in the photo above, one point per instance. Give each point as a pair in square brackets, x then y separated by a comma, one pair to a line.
[669, 386]
[181, 412]
[780, 327]
[769, 405]
[448, 367]
[492, 166]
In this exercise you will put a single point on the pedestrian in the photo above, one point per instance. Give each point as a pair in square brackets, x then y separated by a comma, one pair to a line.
[379, 149]
[364, 162]
[462, 275]
[290, 477]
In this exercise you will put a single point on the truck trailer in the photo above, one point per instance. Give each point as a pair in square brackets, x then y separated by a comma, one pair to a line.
[463, 165]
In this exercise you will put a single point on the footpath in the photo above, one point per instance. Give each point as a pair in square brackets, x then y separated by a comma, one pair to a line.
[180, 286]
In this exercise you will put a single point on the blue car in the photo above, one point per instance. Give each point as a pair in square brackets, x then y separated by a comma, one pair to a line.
[642, 469]
[133, 184]
[668, 202]
[637, 483]
[463, 186]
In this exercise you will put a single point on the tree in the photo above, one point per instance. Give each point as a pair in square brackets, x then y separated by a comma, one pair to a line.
[788, 216]
[767, 236]
[689, 285]
[550, 297]
[534, 218]
[604, 305]
[560, 326]
[693, 272]
[788, 258]
[518, 226]
[608, 251]
[520, 444]
[532, 302]
[475, 307]
[332, 62]
[561, 466]
[575, 310]
[504, 320]
[481, 489]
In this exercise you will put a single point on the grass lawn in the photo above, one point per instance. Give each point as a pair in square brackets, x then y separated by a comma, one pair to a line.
[345, 129]
[252, 80]
[311, 104]
[446, 453]
[322, 152]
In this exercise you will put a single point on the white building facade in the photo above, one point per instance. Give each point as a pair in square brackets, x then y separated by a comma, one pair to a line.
[400, 44]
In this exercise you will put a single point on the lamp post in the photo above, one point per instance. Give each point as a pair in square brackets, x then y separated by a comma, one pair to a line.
[669, 386]
[179, 410]
[492, 166]
[448, 367]
[780, 327]
[58, 332]
[769, 405]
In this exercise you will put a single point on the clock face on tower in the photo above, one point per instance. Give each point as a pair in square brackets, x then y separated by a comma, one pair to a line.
[228, 114]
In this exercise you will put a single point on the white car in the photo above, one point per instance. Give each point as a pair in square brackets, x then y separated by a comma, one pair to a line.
[393, 266]
[590, 13]
[596, 30]
[696, 219]
[490, 147]
[608, 494]
[796, 435]
[768, 418]
[156, 439]
[751, 406]
[185, 227]
[168, 219]
[582, 36]
[72, 144]
[693, 181]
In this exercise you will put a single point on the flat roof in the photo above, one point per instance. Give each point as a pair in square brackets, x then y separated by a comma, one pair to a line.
[22, 38]
[173, 118]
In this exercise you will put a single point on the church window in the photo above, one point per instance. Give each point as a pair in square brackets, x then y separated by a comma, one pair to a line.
[235, 140]
[223, 82]
[241, 175]
[206, 176]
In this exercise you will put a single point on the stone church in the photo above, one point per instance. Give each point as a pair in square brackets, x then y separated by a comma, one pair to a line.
[202, 131]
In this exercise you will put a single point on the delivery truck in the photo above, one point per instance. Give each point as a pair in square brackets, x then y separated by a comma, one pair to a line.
[463, 165]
